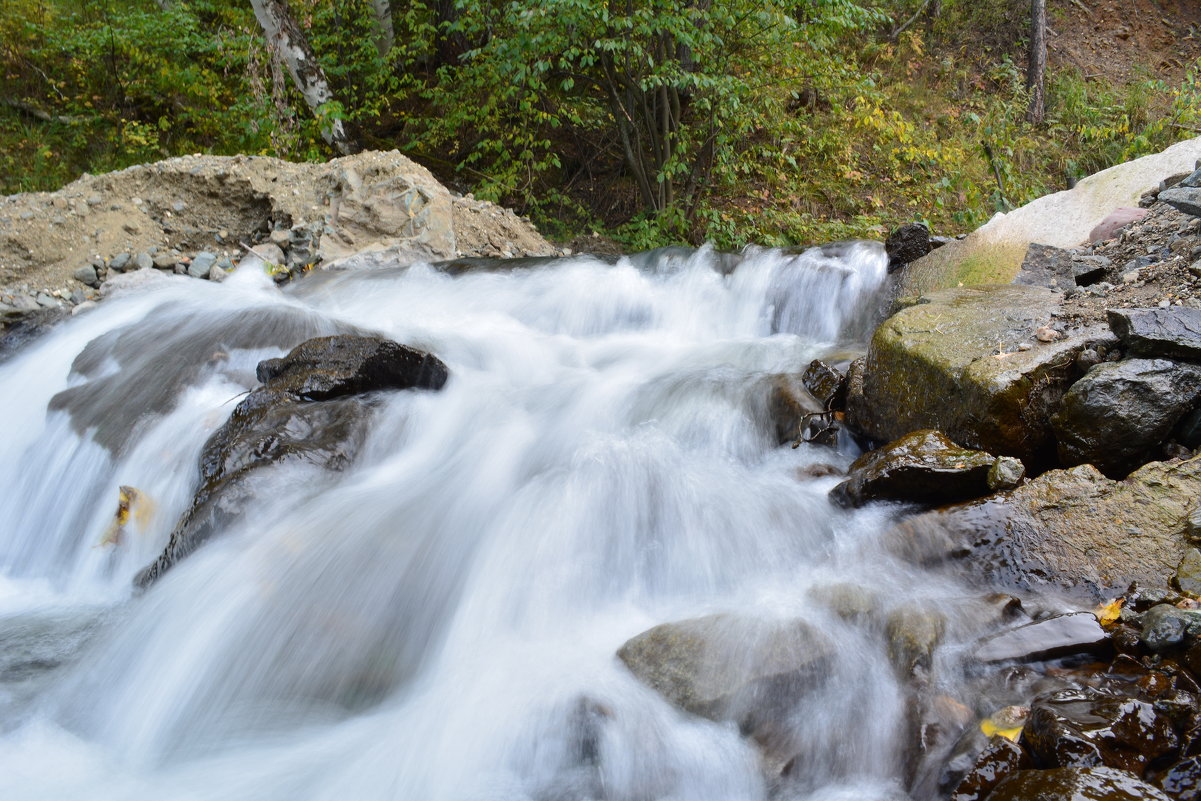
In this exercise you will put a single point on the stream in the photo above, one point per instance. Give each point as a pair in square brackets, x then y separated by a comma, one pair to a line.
[439, 621]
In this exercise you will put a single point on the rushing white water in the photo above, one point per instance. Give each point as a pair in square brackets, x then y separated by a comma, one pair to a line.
[440, 621]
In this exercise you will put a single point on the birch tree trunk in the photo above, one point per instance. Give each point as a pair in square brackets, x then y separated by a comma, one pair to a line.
[289, 44]
[1037, 67]
[385, 33]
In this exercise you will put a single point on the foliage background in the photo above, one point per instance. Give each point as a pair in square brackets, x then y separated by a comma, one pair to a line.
[652, 121]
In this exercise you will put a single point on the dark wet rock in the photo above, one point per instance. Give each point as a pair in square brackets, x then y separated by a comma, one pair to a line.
[1090, 728]
[1076, 784]
[1182, 781]
[1165, 627]
[1001, 759]
[1188, 574]
[922, 467]
[728, 667]
[1006, 473]
[1183, 198]
[1172, 333]
[912, 633]
[19, 327]
[1118, 415]
[907, 244]
[310, 411]
[1057, 268]
[826, 384]
[952, 362]
[110, 405]
[333, 366]
[1074, 530]
[1140, 597]
[1061, 635]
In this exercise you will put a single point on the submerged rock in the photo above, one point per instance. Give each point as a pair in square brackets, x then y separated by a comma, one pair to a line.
[953, 363]
[1076, 784]
[912, 633]
[1119, 414]
[1070, 529]
[922, 467]
[311, 409]
[1090, 728]
[727, 667]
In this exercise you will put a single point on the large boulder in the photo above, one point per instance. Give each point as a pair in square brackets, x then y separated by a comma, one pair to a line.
[967, 362]
[312, 408]
[1119, 414]
[1073, 530]
[993, 253]
[922, 467]
[728, 667]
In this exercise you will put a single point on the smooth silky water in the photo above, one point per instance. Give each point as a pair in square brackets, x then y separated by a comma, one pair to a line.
[440, 621]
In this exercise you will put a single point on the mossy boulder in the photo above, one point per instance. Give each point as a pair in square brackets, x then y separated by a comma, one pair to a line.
[1073, 530]
[966, 362]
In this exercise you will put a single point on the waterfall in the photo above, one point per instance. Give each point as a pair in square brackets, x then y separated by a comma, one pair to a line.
[440, 620]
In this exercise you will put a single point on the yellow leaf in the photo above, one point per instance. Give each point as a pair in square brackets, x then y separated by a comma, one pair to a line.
[1108, 613]
[990, 728]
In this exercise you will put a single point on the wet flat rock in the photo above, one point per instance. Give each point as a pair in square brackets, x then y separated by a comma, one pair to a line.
[922, 467]
[1173, 333]
[1071, 529]
[1076, 784]
[1061, 635]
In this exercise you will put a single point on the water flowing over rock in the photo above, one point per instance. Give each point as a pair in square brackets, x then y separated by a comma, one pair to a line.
[1074, 529]
[309, 409]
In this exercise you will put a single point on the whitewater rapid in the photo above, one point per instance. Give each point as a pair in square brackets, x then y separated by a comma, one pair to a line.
[439, 622]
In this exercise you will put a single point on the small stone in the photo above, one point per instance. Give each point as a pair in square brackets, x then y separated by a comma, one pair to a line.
[1130, 276]
[87, 275]
[119, 262]
[178, 206]
[269, 253]
[1165, 626]
[1006, 473]
[1188, 574]
[1025, 346]
[143, 261]
[1164, 304]
[95, 200]
[1047, 334]
[200, 266]
[46, 300]
[166, 261]
[1183, 198]
[217, 274]
[281, 237]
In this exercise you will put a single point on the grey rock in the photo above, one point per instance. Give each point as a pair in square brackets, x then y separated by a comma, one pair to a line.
[217, 273]
[1088, 270]
[280, 237]
[143, 261]
[1188, 574]
[1061, 635]
[1047, 266]
[1166, 627]
[269, 253]
[1173, 333]
[1183, 198]
[166, 260]
[120, 262]
[1119, 413]
[87, 275]
[912, 633]
[727, 667]
[45, 300]
[1193, 180]
[201, 264]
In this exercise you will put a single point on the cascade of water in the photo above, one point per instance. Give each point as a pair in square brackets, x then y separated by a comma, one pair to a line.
[440, 620]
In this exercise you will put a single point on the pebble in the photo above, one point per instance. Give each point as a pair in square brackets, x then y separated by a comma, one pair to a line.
[1163, 304]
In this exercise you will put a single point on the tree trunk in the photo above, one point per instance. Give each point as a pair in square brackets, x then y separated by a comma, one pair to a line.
[289, 44]
[385, 33]
[1037, 67]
